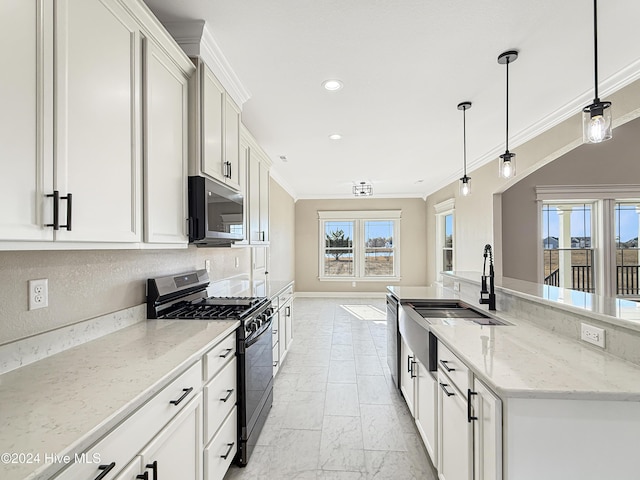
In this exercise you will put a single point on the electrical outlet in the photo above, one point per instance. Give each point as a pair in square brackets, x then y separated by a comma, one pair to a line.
[456, 286]
[38, 293]
[592, 334]
[207, 265]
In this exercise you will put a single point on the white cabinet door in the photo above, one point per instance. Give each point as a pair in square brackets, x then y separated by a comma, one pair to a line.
[166, 150]
[426, 410]
[282, 334]
[407, 369]
[25, 120]
[288, 313]
[132, 470]
[254, 233]
[487, 442]
[97, 149]
[454, 433]
[176, 452]
[265, 178]
[212, 104]
[232, 142]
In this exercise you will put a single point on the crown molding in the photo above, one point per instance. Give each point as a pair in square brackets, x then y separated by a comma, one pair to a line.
[196, 40]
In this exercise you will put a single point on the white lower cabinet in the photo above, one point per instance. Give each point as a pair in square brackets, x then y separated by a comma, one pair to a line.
[454, 433]
[282, 327]
[219, 453]
[132, 471]
[426, 409]
[487, 432]
[407, 367]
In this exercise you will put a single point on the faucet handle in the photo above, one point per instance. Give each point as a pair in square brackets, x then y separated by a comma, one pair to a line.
[483, 289]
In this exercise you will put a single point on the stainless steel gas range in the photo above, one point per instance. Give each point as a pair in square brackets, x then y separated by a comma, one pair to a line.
[185, 297]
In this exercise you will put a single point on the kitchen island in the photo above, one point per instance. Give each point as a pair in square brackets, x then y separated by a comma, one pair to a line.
[539, 404]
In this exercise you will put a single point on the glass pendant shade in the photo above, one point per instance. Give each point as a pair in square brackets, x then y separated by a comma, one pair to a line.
[507, 165]
[465, 186]
[596, 122]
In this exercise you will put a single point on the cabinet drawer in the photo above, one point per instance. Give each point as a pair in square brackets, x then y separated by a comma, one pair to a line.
[276, 358]
[217, 357]
[284, 297]
[454, 368]
[123, 443]
[220, 452]
[274, 330]
[220, 397]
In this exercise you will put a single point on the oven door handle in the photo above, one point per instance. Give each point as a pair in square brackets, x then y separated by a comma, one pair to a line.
[263, 329]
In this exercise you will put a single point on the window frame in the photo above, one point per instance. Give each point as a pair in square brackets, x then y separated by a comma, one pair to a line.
[359, 217]
[444, 209]
[604, 198]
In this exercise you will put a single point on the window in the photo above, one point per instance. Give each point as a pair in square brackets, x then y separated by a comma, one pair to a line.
[567, 245]
[360, 245]
[444, 236]
[627, 264]
[590, 245]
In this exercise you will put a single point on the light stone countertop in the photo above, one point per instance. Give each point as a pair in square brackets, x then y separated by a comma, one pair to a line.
[66, 402]
[523, 360]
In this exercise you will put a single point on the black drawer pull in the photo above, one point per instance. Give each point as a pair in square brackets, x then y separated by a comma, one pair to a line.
[69, 209]
[409, 360]
[412, 373]
[105, 470]
[275, 364]
[56, 210]
[275, 332]
[287, 312]
[143, 476]
[446, 367]
[469, 417]
[228, 350]
[444, 389]
[186, 391]
[229, 393]
[230, 445]
[154, 468]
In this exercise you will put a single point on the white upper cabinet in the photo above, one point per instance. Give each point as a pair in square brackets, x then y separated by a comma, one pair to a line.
[71, 130]
[25, 133]
[97, 142]
[165, 146]
[256, 190]
[216, 124]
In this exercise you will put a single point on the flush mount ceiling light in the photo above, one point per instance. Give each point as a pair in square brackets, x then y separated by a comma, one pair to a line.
[364, 189]
[332, 85]
[507, 164]
[335, 136]
[465, 182]
[284, 158]
[596, 118]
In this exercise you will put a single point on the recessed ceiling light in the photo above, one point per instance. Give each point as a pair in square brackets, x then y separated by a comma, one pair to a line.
[335, 136]
[332, 85]
[284, 158]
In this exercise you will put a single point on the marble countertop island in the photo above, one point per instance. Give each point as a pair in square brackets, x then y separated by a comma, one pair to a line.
[66, 402]
[521, 360]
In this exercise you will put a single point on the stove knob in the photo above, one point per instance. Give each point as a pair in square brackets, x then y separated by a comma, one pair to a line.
[253, 326]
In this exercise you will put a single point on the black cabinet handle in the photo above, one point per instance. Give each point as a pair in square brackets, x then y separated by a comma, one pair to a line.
[444, 389]
[469, 417]
[56, 210]
[275, 332]
[229, 169]
[154, 468]
[68, 198]
[287, 312]
[446, 367]
[186, 391]
[275, 364]
[229, 393]
[105, 470]
[230, 445]
[143, 476]
[412, 374]
[409, 360]
[228, 350]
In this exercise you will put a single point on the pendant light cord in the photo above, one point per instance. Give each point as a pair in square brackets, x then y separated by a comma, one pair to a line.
[464, 138]
[507, 115]
[595, 45]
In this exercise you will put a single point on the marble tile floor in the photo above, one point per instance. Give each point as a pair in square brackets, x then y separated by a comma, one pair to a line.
[336, 414]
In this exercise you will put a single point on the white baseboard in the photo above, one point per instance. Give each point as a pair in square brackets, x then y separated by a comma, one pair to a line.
[339, 295]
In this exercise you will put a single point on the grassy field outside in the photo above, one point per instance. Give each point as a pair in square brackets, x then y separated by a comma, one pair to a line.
[375, 265]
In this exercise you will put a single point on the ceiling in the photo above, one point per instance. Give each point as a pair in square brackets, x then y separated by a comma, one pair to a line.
[405, 65]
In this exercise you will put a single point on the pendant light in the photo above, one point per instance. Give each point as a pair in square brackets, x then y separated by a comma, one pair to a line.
[596, 118]
[465, 182]
[507, 164]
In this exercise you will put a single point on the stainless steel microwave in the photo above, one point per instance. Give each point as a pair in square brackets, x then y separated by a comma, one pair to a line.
[215, 213]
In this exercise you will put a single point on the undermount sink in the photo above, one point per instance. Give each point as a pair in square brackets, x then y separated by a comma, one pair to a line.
[453, 310]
